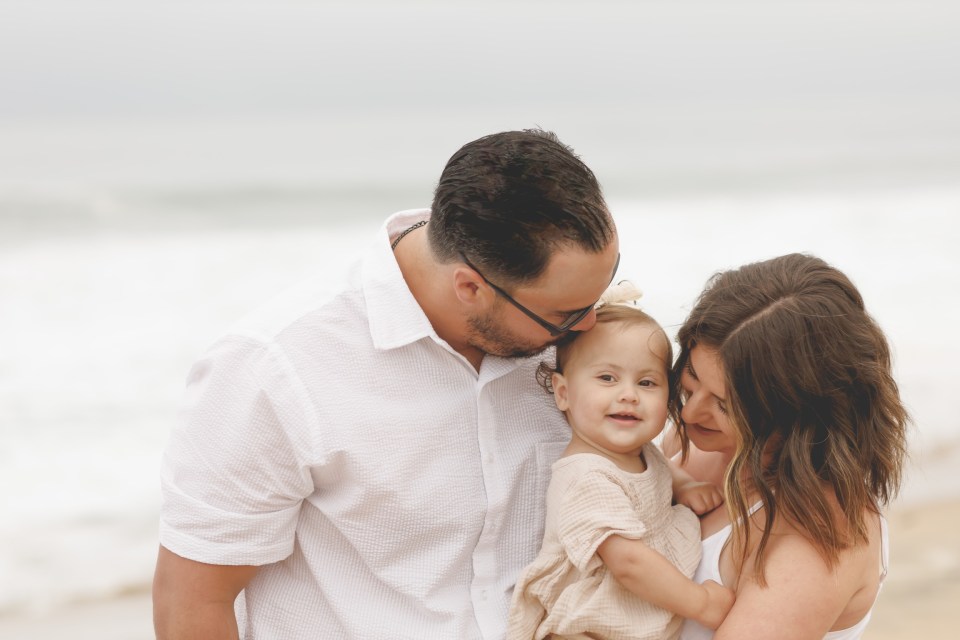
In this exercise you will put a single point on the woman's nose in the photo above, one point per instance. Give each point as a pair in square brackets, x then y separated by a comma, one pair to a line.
[692, 409]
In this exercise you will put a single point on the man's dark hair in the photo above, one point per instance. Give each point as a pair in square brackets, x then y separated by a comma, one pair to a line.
[508, 200]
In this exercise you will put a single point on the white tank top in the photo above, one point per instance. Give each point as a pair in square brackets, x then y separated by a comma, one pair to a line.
[709, 569]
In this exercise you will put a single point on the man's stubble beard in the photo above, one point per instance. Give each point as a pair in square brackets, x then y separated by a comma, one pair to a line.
[487, 334]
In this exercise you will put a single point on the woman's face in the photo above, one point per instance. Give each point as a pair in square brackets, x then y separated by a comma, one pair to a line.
[705, 402]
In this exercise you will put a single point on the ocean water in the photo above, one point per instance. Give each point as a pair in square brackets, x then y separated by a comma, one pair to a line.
[100, 326]
[166, 167]
[99, 330]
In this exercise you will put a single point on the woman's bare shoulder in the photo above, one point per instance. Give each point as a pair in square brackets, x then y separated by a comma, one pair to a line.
[791, 537]
[792, 556]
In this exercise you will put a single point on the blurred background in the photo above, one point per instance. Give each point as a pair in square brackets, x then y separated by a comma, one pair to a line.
[165, 167]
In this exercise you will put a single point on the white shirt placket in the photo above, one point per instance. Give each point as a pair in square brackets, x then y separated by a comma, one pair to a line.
[488, 603]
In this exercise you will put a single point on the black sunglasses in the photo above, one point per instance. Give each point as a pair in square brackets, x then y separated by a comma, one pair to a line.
[569, 322]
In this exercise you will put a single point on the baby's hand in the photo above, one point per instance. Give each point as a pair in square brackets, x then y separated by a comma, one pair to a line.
[701, 497]
[718, 603]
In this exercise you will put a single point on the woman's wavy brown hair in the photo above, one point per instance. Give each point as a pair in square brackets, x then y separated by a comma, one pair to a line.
[811, 394]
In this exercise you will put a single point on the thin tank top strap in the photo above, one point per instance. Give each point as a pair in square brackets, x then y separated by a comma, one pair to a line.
[884, 548]
[713, 544]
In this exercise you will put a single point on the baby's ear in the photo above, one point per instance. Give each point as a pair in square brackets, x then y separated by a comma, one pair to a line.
[559, 385]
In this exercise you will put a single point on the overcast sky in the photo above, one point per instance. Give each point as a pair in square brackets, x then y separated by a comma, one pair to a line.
[147, 57]
[677, 92]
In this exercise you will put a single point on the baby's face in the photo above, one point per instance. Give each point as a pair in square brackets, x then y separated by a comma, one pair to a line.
[615, 387]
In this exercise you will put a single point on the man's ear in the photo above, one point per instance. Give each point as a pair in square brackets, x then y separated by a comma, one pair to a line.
[559, 384]
[469, 286]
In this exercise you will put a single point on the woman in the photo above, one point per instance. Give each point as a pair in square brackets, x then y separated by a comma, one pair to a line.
[789, 404]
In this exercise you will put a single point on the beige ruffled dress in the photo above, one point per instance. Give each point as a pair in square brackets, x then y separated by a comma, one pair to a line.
[567, 592]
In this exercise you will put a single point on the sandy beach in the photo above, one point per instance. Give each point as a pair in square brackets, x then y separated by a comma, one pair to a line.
[920, 596]
[128, 617]
[918, 599]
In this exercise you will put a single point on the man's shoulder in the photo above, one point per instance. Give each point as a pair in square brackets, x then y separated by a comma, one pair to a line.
[316, 301]
[294, 322]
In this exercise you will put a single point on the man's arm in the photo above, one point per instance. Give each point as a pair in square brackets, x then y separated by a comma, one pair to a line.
[193, 600]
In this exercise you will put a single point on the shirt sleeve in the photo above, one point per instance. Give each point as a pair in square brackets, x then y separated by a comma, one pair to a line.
[595, 507]
[235, 470]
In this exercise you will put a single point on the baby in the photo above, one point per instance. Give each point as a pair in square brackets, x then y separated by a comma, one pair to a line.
[617, 555]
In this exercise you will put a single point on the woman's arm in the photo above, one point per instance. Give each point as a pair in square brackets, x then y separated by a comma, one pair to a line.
[801, 601]
[650, 576]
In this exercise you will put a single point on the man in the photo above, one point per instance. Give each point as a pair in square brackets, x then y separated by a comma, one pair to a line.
[373, 464]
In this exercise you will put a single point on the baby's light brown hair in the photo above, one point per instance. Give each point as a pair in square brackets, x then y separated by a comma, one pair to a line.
[626, 316]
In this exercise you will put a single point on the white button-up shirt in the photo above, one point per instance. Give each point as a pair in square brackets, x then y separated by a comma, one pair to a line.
[386, 488]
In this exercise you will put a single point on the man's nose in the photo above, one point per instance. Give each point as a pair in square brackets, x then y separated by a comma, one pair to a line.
[587, 323]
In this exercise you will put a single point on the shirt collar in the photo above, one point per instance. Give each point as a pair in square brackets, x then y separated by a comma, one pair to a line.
[395, 317]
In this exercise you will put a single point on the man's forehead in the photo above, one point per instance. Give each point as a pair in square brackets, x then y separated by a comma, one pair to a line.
[575, 278]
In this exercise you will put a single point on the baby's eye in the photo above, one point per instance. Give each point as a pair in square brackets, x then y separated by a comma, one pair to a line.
[606, 377]
[647, 383]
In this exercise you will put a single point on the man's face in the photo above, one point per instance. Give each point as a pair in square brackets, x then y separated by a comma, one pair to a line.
[573, 279]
